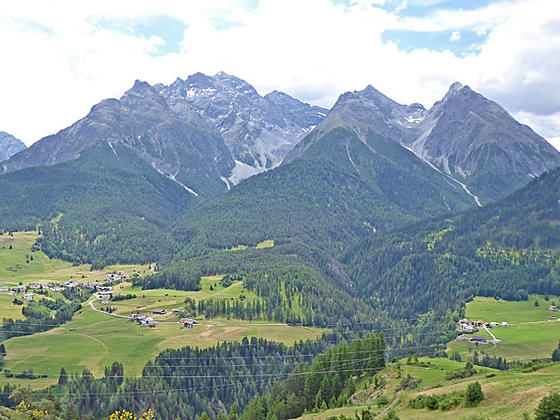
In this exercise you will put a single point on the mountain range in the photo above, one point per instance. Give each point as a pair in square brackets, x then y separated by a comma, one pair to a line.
[9, 146]
[331, 178]
[465, 136]
[206, 132]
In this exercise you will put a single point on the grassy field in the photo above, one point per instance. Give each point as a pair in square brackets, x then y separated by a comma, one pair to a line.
[148, 300]
[95, 340]
[17, 266]
[98, 339]
[264, 244]
[530, 335]
[508, 394]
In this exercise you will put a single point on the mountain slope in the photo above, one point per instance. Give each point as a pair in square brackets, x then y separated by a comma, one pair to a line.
[341, 189]
[188, 149]
[465, 136]
[258, 130]
[506, 249]
[107, 206]
[476, 141]
[9, 146]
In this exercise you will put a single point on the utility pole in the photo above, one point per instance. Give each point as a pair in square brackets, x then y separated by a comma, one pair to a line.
[387, 361]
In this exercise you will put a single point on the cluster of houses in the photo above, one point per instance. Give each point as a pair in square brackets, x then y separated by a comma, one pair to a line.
[469, 327]
[142, 320]
[102, 288]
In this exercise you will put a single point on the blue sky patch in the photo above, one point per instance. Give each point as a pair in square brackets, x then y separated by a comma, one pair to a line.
[169, 29]
[459, 43]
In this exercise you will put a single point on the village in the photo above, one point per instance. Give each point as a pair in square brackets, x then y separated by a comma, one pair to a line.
[468, 327]
[102, 288]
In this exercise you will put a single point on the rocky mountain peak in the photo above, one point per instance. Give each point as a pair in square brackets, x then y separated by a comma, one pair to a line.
[9, 146]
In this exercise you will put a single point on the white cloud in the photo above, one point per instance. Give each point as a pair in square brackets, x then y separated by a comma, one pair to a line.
[314, 50]
[547, 125]
[455, 36]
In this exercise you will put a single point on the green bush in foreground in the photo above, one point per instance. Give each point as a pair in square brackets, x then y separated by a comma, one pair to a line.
[445, 402]
[549, 408]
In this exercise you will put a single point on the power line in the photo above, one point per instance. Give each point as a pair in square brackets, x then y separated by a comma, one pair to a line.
[380, 351]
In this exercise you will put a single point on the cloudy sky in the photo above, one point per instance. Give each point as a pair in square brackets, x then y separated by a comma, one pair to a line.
[60, 58]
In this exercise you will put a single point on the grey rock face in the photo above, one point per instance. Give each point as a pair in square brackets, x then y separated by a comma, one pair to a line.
[9, 146]
[258, 130]
[204, 132]
[186, 148]
[467, 137]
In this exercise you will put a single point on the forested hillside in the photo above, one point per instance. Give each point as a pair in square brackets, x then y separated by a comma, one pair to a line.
[106, 206]
[332, 197]
[506, 249]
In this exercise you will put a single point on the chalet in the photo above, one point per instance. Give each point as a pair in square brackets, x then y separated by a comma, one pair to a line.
[465, 321]
[19, 288]
[104, 288]
[159, 311]
[28, 296]
[478, 339]
[92, 285]
[176, 311]
[148, 321]
[494, 324]
[104, 302]
[553, 308]
[35, 286]
[72, 283]
[480, 323]
[102, 295]
[467, 328]
[463, 337]
[187, 322]
[505, 324]
[56, 289]
[134, 317]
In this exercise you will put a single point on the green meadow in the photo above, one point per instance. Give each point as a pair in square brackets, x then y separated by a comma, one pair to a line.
[96, 339]
[531, 334]
[507, 394]
[26, 264]
[148, 300]
[269, 243]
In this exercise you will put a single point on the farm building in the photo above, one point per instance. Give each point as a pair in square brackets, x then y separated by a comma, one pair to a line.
[148, 321]
[159, 311]
[29, 297]
[187, 322]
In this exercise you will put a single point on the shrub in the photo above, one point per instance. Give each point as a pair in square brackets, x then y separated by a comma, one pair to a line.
[473, 394]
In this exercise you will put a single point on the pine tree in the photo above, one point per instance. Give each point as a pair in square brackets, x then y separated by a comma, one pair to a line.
[63, 377]
[556, 354]
[549, 408]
